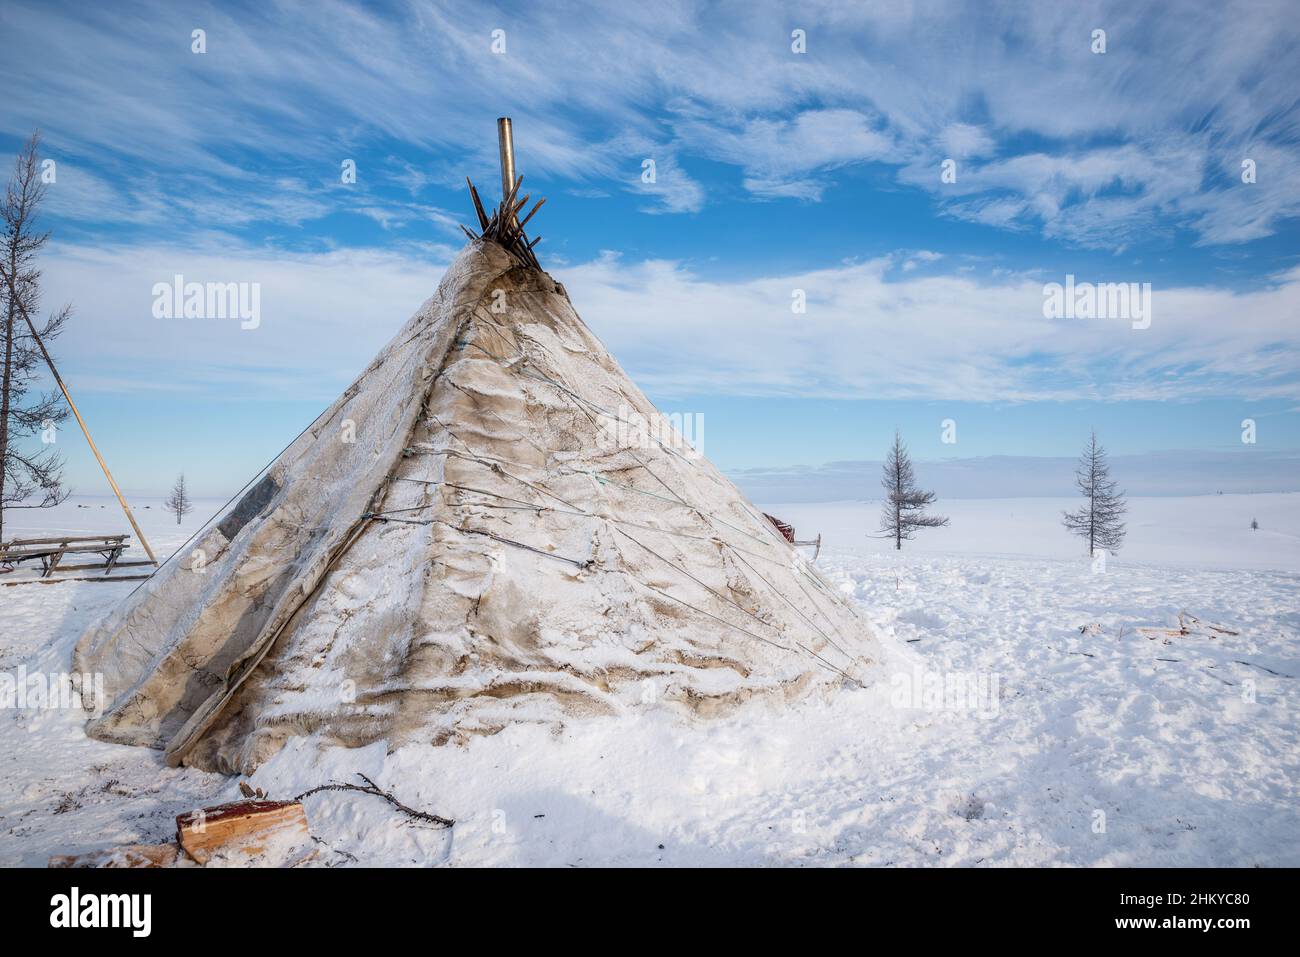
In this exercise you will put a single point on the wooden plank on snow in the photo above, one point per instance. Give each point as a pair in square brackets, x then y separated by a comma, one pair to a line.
[242, 827]
[128, 856]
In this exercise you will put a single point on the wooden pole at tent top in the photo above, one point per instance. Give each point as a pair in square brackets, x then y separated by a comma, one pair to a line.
[506, 142]
[86, 432]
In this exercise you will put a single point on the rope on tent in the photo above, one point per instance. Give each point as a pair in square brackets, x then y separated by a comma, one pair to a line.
[517, 501]
[839, 671]
[579, 402]
[798, 610]
[717, 594]
[396, 511]
[491, 461]
[524, 354]
[564, 390]
[708, 614]
[535, 509]
[521, 505]
[495, 465]
[640, 491]
[835, 668]
[812, 601]
[379, 517]
[538, 509]
[574, 509]
[494, 461]
[478, 407]
[768, 541]
[724, 598]
[585, 564]
[577, 399]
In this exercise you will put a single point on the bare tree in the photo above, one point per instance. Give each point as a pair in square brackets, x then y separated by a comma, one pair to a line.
[178, 502]
[29, 478]
[1101, 519]
[904, 509]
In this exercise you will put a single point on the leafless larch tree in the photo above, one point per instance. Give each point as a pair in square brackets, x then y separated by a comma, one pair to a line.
[1100, 520]
[30, 477]
[903, 511]
[178, 501]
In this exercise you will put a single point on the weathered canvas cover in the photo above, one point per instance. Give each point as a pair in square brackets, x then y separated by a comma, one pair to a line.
[482, 529]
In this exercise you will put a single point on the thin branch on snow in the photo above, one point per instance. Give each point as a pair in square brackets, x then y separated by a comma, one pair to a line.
[372, 788]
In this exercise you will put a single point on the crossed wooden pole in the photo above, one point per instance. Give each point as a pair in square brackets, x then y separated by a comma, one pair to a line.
[504, 225]
[80, 421]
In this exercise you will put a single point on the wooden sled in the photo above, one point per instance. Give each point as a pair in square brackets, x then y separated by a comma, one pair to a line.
[787, 532]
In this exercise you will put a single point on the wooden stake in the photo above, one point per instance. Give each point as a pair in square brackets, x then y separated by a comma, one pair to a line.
[86, 432]
[525, 220]
[478, 205]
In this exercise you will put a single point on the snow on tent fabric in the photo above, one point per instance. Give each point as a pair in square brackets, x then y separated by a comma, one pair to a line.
[456, 545]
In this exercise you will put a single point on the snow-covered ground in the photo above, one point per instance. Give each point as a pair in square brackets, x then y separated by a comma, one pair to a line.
[1084, 741]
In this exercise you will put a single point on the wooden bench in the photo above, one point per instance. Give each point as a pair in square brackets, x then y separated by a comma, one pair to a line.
[50, 552]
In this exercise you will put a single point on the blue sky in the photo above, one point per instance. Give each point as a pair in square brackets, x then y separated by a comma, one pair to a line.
[775, 171]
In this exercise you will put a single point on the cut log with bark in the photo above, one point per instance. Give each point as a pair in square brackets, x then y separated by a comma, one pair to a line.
[127, 856]
[244, 828]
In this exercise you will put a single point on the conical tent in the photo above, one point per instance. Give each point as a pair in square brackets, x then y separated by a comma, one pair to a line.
[479, 531]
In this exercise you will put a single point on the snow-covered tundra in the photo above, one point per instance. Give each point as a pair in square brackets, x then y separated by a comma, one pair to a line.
[1045, 711]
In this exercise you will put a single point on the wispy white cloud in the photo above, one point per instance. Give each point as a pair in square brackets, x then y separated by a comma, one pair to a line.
[397, 215]
[1086, 148]
[323, 316]
[672, 190]
[874, 332]
[791, 157]
[1099, 197]
[871, 330]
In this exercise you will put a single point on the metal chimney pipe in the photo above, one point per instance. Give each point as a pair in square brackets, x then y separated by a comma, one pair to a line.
[506, 140]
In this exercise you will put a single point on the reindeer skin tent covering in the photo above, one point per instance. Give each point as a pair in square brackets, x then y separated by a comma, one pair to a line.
[457, 544]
